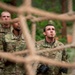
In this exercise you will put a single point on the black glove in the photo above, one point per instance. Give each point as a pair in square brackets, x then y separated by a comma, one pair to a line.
[7, 63]
[64, 70]
[42, 69]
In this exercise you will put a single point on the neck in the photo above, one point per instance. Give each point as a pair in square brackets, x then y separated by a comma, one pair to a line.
[16, 33]
[50, 40]
[6, 26]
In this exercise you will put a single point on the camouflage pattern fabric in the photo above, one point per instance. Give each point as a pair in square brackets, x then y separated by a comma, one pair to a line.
[14, 69]
[3, 32]
[12, 44]
[56, 55]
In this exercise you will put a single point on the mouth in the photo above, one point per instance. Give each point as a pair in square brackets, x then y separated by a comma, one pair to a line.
[51, 34]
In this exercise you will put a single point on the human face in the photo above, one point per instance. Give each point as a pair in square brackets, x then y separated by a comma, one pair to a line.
[5, 16]
[50, 32]
[16, 26]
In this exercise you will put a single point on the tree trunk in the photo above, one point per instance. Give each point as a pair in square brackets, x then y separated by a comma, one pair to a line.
[64, 28]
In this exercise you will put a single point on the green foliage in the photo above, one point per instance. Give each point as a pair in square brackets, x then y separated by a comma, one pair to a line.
[6, 1]
[70, 23]
[1, 10]
[19, 2]
[41, 25]
[63, 40]
[71, 54]
[73, 5]
[39, 30]
[48, 5]
[58, 27]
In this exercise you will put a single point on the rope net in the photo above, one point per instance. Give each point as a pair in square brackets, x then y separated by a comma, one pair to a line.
[27, 8]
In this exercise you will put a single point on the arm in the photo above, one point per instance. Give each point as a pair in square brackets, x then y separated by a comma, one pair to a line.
[64, 59]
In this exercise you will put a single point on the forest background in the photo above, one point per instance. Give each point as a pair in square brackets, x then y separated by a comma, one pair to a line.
[63, 28]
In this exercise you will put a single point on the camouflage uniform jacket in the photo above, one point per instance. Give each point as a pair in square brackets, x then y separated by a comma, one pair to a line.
[3, 32]
[14, 44]
[55, 55]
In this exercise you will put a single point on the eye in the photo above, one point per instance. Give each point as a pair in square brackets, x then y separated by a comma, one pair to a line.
[53, 28]
[48, 29]
[8, 16]
[3, 16]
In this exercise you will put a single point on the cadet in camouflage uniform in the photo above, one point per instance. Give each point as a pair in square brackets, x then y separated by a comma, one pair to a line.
[48, 43]
[14, 42]
[4, 29]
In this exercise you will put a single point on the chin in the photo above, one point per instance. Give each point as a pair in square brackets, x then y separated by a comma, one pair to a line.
[52, 36]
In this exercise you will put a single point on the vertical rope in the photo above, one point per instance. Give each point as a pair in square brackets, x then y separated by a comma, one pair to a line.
[27, 36]
[33, 30]
[27, 2]
[29, 69]
[70, 8]
[73, 37]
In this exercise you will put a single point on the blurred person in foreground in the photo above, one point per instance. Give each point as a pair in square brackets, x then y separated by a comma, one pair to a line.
[48, 43]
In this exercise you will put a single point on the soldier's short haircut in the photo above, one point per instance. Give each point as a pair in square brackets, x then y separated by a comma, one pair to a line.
[3, 12]
[46, 26]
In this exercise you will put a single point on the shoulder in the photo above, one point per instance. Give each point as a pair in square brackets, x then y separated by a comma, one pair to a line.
[40, 42]
[8, 37]
[59, 43]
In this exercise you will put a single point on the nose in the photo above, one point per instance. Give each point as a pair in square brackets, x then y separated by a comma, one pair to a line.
[51, 31]
[6, 18]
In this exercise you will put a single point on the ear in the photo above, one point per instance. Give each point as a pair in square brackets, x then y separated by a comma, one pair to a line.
[44, 33]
